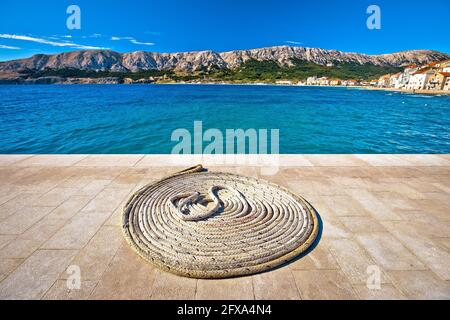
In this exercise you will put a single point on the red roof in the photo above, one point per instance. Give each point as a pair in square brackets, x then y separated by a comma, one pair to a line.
[446, 74]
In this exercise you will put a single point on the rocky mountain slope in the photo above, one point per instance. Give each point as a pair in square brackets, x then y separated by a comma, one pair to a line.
[106, 60]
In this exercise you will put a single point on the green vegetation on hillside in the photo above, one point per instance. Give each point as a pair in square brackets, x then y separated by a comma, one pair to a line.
[250, 71]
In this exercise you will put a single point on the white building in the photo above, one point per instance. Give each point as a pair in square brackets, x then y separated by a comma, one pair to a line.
[311, 81]
[419, 79]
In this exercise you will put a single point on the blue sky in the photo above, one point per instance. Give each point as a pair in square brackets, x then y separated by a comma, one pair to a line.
[30, 27]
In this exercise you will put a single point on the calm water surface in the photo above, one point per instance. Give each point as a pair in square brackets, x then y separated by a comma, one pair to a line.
[141, 118]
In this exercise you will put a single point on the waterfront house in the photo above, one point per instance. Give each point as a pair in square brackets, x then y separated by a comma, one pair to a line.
[419, 79]
[284, 82]
[446, 85]
[383, 81]
[311, 81]
[394, 80]
[335, 82]
[436, 81]
[323, 81]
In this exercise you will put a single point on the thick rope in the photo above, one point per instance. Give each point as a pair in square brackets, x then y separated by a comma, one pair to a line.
[216, 225]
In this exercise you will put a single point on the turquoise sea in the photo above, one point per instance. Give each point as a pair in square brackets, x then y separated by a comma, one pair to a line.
[141, 118]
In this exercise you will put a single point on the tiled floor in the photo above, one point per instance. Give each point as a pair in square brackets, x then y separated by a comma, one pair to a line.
[385, 217]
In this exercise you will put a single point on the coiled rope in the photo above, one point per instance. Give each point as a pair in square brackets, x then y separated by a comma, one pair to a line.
[217, 225]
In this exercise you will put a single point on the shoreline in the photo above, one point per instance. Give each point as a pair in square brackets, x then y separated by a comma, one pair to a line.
[407, 91]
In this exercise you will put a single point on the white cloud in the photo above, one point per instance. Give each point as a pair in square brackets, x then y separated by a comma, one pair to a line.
[142, 43]
[294, 42]
[8, 47]
[132, 40]
[114, 38]
[48, 42]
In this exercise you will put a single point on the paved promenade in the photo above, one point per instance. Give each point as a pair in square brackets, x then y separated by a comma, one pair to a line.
[384, 217]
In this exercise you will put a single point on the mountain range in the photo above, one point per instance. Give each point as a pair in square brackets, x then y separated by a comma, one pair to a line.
[107, 60]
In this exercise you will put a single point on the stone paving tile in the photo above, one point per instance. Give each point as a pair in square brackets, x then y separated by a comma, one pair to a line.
[275, 285]
[319, 258]
[425, 160]
[361, 224]
[426, 224]
[61, 291]
[335, 160]
[334, 229]
[344, 205]
[35, 275]
[323, 285]
[110, 160]
[225, 289]
[70, 207]
[389, 252]
[94, 258]
[436, 257]
[127, 277]
[54, 197]
[370, 202]
[420, 285]
[107, 200]
[29, 241]
[53, 160]
[353, 260]
[385, 160]
[5, 239]
[8, 265]
[23, 219]
[170, 286]
[78, 231]
[17, 203]
[93, 187]
[385, 292]
[9, 159]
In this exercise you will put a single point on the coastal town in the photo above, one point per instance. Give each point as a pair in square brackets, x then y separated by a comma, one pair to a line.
[431, 77]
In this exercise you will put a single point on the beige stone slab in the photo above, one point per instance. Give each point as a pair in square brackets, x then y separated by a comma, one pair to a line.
[23, 219]
[436, 257]
[320, 258]
[361, 224]
[78, 231]
[332, 228]
[35, 275]
[70, 207]
[107, 200]
[420, 285]
[9, 159]
[389, 252]
[110, 160]
[383, 160]
[385, 292]
[54, 197]
[424, 159]
[7, 266]
[60, 160]
[128, 277]
[60, 291]
[278, 284]
[373, 205]
[323, 285]
[354, 261]
[93, 187]
[17, 203]
[95, 257]
[344, 205]
[5, 239]
[335, 160]
[29, 241]
[225, 289]
[426, 224]
[169, 286]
